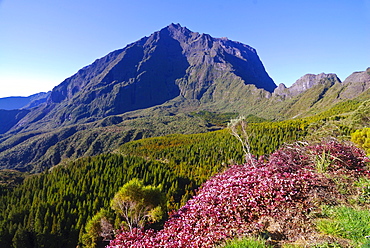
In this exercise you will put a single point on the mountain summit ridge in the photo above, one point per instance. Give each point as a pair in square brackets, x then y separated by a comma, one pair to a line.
[195, 47]
[172, 63]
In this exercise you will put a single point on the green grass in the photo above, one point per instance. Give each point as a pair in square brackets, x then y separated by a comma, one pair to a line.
[246, 243]
[364, 186]
[346, 222]
[326, 245]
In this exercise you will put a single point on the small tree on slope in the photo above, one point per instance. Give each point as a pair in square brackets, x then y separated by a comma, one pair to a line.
[138, 204]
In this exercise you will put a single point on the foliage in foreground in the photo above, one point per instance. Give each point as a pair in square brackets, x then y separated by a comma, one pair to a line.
[52, 209]
[246, 243]
[346, 222]
[273, 197]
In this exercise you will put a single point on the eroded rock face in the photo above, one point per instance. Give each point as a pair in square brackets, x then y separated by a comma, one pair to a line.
[352, 86]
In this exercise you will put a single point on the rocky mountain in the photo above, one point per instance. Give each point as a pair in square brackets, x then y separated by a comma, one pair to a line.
[9, 118]
[356, 82]
[304, 83]
[23, 102]
[360, 76]
[172, 71]
[150, 88]
[352, 86]
[171, 64]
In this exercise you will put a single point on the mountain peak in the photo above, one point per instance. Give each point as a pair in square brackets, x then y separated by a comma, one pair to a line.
[356, 83]
[172, 64]
[174, 26]
[359, 76]
[306, 82]
[177, 32]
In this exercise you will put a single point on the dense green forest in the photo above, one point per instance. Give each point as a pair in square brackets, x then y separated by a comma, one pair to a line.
[51, 209]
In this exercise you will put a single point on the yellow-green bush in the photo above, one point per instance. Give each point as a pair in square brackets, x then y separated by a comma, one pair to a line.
[362, 138]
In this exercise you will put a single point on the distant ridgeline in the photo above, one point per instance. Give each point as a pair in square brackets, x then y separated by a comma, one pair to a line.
[26, 102]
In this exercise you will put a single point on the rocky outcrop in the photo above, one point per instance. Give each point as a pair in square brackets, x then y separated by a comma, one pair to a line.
[306, 82]
[355, 84]
[360, 76]
[172, 72]
[281, 90]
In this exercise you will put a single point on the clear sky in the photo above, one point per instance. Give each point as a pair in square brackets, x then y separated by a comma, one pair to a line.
[42, 42]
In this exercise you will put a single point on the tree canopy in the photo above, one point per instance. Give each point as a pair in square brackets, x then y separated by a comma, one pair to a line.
[139, 204]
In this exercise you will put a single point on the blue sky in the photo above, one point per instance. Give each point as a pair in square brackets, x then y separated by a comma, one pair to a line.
[42, 42]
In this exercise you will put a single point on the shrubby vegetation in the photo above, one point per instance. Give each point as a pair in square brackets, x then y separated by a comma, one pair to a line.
[222, 119]
[54, 207]
[278, 198]
[36, 151]
[346, 222]
[139, 204]
[362, 138]
[200, 156]
[98, 229]
[10, 179]
[71, 203]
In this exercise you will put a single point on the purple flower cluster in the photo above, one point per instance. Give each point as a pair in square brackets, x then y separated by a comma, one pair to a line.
[232, 203]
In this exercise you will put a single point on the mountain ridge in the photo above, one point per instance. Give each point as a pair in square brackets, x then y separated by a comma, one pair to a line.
[173, 63]
[23, 102]
[154, 82]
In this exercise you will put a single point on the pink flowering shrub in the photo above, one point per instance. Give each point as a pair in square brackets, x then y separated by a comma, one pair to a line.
[343, 157]
[235, 202]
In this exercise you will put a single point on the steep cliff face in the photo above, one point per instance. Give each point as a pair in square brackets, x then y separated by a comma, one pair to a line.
[352, 86]
[174, 70]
